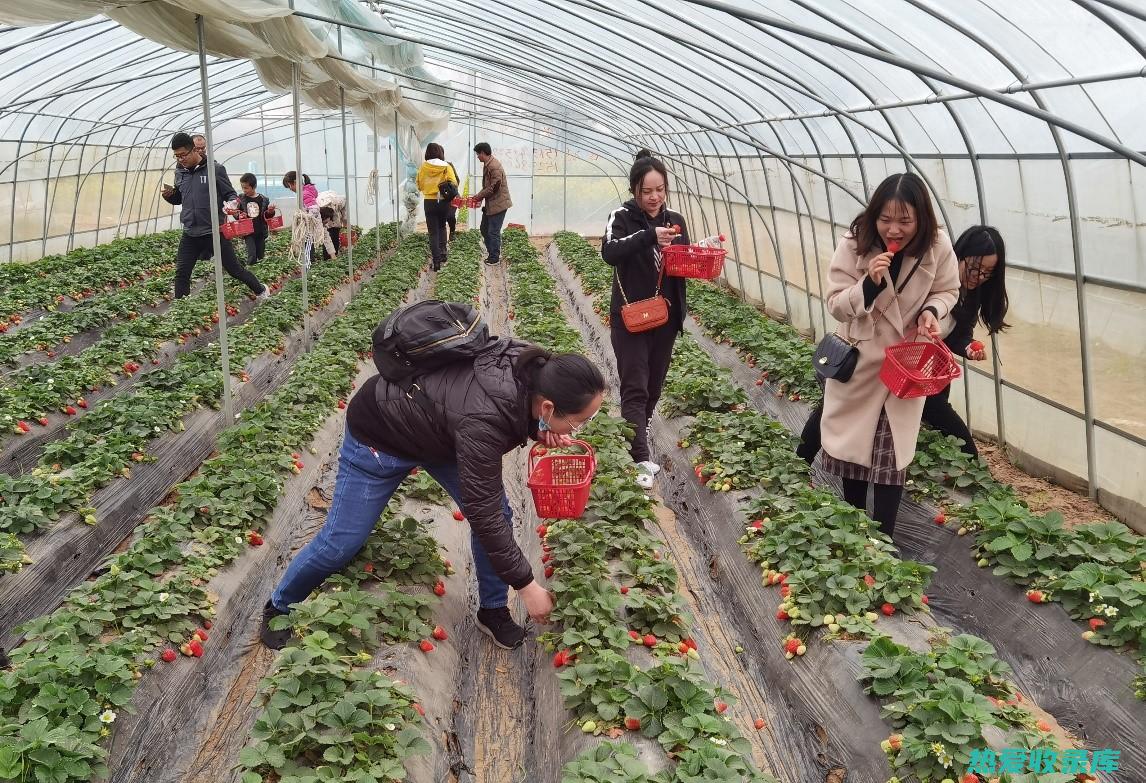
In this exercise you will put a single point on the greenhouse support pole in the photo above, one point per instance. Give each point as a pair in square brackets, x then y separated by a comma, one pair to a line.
[263, 138]
[397, 188]
[216, 238]
[346, 180]
[303, 260]
[565, 174]
[377, 190]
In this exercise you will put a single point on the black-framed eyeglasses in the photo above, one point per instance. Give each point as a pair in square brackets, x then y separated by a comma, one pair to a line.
[974, 269]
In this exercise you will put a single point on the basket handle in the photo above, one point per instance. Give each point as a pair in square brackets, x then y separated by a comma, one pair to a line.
[533, 460]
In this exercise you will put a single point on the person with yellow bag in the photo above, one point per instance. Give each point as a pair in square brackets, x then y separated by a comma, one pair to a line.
[439, 185]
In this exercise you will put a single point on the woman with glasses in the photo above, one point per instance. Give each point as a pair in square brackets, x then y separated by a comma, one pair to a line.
[982, 257]
[467, 416]
[982, 299]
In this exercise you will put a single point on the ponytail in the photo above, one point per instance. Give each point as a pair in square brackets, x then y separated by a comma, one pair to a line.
[568, 380]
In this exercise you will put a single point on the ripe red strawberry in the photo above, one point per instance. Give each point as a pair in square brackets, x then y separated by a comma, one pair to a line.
[542, 531]
[869, 580]
[23, 426]
[649, 640]
[675, 228]
[418, 708]
[941, 518]
[924, 599]
[792, 645]
[82, 402]
[255, 538]
[691, 644]
[970, 777]
[624, 590]
[137, 456]
[1096, 623]
[976, 345]
[784, 590]
[682, 648]
[759, 381]
[758, 724]
[721, 707]
[560, 659]
[342, 404]
[69, 410]
[758, 523]
[368, 568]
[459, 516]
[43, 421]
[439, 588]
[196, 648]
[636, 637]
[168, 655]
[539, 451]
[298, 463]
[426, 646]
[633, 724]
[1042, 725]
[893, 246]
[200, 634]
[439, 633]
[782, 578]
[207, 624]
[887, 609]
[1036, 596]
[781, 615]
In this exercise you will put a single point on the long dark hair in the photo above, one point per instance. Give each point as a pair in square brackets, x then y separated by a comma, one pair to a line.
[568, 380]
[291, 176]
[909, 189]
[434, 150]
[990, 295]
[644, 163]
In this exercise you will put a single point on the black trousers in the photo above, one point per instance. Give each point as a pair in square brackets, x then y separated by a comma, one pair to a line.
[191, 249]
[642, 362]
[452, 221]
[334, 232]
[256, 247]
[436, 228]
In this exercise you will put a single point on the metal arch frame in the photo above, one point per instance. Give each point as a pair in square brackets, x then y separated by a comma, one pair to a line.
[919, 68]
[703, 78]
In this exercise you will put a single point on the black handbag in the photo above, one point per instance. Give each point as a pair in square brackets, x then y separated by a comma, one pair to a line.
[835, 358]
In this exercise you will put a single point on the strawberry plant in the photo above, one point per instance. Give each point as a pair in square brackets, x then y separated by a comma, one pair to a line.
[81, 660]
[941, 701]
[694, 385]
[782, 355]
[460, 279]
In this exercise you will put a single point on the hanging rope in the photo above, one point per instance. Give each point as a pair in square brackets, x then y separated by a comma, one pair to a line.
[372, 187]
[306, 233]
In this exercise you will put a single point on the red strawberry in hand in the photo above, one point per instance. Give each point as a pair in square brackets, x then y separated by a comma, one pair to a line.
[893, 246]
[976, 345]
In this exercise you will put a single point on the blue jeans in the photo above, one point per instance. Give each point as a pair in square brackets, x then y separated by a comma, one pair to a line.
[367, 478]
[491, 233]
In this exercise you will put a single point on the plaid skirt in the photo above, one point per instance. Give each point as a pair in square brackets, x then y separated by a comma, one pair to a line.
[882, 470]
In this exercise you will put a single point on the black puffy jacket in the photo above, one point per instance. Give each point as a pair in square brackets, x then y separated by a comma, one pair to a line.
[630, 245]
[192, 191]
[477, 414]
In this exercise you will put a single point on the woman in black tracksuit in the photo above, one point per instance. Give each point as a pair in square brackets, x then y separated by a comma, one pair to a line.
[634, 236]
[982, 258]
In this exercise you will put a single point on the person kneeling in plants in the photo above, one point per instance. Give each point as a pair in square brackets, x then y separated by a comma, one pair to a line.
[456, 422]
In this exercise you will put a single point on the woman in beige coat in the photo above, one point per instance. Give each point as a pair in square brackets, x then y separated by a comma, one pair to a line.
[879, 297]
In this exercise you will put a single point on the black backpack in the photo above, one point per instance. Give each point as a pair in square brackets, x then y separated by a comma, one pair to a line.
[447, 191]
[426, 335]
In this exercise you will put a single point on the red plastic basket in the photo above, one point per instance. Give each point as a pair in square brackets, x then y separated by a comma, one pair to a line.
[918, 369]
[344, 239]
[693, 261]
[520, 226]
[275, 223]
[241, 227]
[457, 201]
[560, 482]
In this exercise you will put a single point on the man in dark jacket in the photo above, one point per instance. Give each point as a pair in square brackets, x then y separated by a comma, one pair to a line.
[495, 191]
[466, 418]
[192, 191]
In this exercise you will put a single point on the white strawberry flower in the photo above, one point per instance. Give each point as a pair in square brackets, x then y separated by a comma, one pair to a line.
[718, 741]
[1111, 611]
[389, 726]
[107, 716]
[163, 597]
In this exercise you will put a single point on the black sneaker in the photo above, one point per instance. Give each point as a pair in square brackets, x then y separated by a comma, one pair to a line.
[505, 633]
[276, 640]
[488, 262]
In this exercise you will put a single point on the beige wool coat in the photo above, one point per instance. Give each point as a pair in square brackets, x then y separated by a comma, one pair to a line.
[851, 410]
